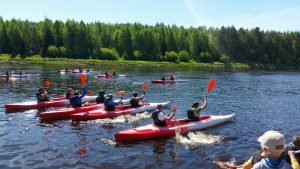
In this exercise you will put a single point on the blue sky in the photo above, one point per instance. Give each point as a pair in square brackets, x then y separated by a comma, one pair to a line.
[281, 15]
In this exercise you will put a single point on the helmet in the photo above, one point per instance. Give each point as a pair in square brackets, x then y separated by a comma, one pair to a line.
[135, 94]
[76, 93]
[110, 95]
[195, 104]
[101, 92]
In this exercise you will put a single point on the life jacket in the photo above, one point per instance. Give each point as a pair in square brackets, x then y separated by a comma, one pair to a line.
[285, 155]
[191, 114]
[107, 106]
[256, 158]
[156, 121]
[41, 98]
[134, 102]
[100, 99]
[74, 102]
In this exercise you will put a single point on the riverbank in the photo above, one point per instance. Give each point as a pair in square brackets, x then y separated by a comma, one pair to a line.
[36, 59]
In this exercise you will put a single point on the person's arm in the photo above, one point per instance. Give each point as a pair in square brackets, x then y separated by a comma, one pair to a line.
[110, 102]
[294, 161]
[169, 117]
[204, 103]
[82, 94]
[142, 97]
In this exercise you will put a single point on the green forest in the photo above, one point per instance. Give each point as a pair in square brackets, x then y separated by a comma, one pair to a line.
[135, 41]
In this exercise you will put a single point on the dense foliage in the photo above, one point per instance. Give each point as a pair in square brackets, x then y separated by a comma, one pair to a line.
[143, 42]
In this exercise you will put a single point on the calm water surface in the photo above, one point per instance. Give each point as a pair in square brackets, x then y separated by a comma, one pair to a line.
[261, 101]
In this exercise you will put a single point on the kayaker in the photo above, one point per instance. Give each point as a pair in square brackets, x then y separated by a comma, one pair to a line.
[41, 95]
[110, 104]
[135, 100]
[114, 73]
[172, 77]
[193, 113]
[163, 77]
[295, 146]
[75, 100]
[7, 74]
[273, 144]
[106, 74]
[159, 118]
[101, 97]
[20, 72]
[69, 93]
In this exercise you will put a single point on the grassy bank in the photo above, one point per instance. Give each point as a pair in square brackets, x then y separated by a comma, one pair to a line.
[4, 58]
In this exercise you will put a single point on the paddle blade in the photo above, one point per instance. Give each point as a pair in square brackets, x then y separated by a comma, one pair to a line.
[83, 78]
[47, 83]
[90, 94]
[121, 93]
[174, 107]
[144, 86]
[211, 85]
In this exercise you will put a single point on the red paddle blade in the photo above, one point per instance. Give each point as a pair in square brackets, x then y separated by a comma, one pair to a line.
[121, 93]
[47, 83]
[90, 94]
[174, 106]
[211, 85]
[144, 86]
[83, 78]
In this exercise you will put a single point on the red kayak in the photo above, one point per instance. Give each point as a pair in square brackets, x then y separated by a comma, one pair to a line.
[55, 102]
[110, 76]
[167, 81]
[182, 126]
[102, 114]
[67, 112]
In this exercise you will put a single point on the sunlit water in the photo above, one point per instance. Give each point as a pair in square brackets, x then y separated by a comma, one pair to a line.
[261, 100]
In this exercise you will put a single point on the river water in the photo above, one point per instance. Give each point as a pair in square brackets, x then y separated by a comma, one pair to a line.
[262, 100]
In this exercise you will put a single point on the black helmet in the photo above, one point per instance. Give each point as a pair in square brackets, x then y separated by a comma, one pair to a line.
[110, 95]
[76, 93]
[196, 104]
[135, 94]
[102, 93]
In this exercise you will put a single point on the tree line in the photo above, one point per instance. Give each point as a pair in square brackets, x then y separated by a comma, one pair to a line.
[72, 39]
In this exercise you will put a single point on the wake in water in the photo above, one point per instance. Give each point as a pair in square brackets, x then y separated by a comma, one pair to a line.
[126, 118]
[197, 139]
[108, 141]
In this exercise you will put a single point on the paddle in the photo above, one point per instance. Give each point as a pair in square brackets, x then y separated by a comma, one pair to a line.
[144, 86]
[211, 85]
[83, 79]
[121, 94]
[47, 84]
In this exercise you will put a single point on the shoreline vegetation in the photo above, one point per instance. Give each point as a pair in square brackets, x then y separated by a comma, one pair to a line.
[36, 59]
[95, 43]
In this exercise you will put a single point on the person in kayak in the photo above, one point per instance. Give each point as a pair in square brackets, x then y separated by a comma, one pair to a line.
[69, 93]
[41, 95]
[20, 72]
[272, 145]
[135, 100]
[110, 104]
[106, 74]
[159, 118]
[163, 77]
[172, 77]
[101, 97]
[75, 100]
[7, 74]
[114, 73]
[193, 113]
[294, 146]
